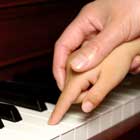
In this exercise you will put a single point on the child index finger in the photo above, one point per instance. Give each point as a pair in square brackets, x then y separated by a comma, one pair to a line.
[66, 99]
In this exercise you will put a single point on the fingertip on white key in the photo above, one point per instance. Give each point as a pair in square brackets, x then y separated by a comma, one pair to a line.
[53, 120]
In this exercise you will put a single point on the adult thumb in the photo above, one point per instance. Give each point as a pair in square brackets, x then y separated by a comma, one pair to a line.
[96, 49]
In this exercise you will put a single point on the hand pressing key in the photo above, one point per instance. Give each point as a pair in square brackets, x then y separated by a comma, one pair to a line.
[91, 87]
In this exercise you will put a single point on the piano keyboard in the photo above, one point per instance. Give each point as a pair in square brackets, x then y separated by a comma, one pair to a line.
[122, 103]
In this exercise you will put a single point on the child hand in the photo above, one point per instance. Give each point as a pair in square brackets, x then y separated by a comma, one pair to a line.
[91, 87]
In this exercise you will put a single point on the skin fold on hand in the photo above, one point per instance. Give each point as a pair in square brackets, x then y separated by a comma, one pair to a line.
[90, 88]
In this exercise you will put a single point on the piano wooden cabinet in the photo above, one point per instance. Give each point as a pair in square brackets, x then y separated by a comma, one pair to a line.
[28, 31]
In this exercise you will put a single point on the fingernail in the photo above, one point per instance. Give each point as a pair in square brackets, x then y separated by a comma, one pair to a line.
[82, 60]
[87, 106]
[51, 120]
[79, 62]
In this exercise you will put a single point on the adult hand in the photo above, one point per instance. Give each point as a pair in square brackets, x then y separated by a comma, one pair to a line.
[103, 25]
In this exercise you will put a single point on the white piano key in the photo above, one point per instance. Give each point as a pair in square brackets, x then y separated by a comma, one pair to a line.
[106, 120]
[68, 136]
[116, 110]
[13, 126]
[22, 130]
[128, 107]
[35, 121]
[128, 110]
[111, 103]
[101, 109]
[106, 117]
[81, 132]
[68, 120]
[137, 105]
[6, 134]
[131, 93]
[93, 127]
[77, 116]
[73, 121]
[77, 112]
[33, 112]
[46, 114]
[40, 119]
[119, 98]
[117, 116]
[31, 130]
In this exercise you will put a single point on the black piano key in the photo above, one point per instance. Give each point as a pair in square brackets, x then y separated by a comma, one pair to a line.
[43, 79]
[9, 112]
[1, 124]
[21, 94]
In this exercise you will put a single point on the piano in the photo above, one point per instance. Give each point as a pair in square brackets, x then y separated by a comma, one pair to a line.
[119, 111]
[28, 91]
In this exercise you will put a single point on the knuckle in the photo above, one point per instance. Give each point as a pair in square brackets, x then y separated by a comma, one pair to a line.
[96, 99]
[94, 46]
[125, 28]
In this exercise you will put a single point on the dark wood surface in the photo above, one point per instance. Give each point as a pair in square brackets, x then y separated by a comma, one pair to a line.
[133, 134]
[29, 29]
